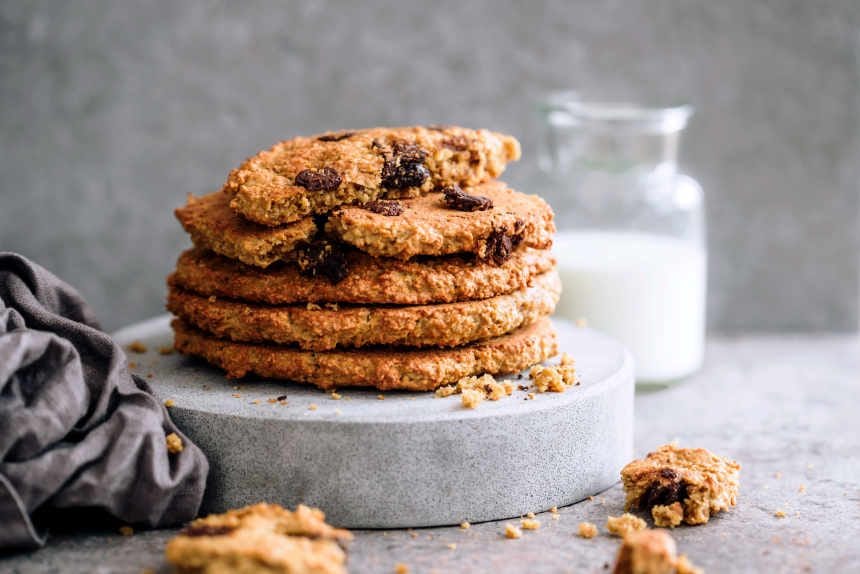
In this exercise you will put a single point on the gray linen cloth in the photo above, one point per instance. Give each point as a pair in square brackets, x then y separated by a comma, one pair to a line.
[77, 430]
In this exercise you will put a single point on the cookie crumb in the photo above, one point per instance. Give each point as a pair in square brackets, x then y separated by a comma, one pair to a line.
[380, 397]
[530, 515]
[313, 307]
[236, 395]
[412, 534]
[582, 322]
[587, 530]
[667, 515]
[137, 347]
[529, 524]
[777, 475]
[625, 524]
[401, 568]
[554, 509]
[271, 401]
[312, 407]
[338, 412]
[465, 525]
[651, 551]
[126, 530]
[530, 397]
[335, 396]
[555, 378]
[452, 545]
[174, 443]
[486, 386]
[801, 489]
[471, 398]
[165, 350]
[331, 306]
[132, 365]
[780, 513]
[169, 403]
[512, 532]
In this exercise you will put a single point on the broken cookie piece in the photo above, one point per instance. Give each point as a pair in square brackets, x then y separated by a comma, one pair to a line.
[651, 552]
[555, 378]
[624, 524]
[475, 389]
[260, 538]
[700, 481]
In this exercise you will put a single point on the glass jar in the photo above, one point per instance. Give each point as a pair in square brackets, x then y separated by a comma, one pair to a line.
[631, 235]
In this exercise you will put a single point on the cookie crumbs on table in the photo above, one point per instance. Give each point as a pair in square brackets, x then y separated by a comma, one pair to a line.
[587, 530]
[668, 515]
[401, 568]
[651, 552]
[169, 403]
[166, 350]
[465, 525]
[335, 396]
[512, 532]
[624, 524]
[452, 545]
[126, 531]
[137, 347]
[780, 514]
[530, 524]
[174, 443]
[471, 398]
[312, 407]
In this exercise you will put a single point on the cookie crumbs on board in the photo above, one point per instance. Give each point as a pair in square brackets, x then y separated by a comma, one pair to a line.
[137, 347]
[471, 398]
[587, 530]
[312, 407]
[452, 545]
[380, 397]
[126, 530]
[401, 568]
[780, 513]
[165, 350]
[335, 396]
[624, 524]
[465, 525]
[174, 443]
[512, 532]
[478, 389]
[530, 524]
[169, 403]
[668, 515]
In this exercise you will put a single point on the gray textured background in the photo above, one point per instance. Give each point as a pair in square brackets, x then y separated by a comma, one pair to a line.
[111, 112]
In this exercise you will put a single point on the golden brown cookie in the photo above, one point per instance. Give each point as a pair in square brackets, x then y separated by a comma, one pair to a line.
[385, 369]
[260, 538]
[370, 280]
[701, 481]
[213, 225]
[322, 328]
[488, 220]
[307, 175]
[651, 552]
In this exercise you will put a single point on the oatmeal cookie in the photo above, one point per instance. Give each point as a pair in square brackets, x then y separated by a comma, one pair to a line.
[213, 225]
[428, 225]
[702, 482]
[370, 280]
[325, 327]
[260, 538]
[308, 175]
[651, 552]
[385, 369]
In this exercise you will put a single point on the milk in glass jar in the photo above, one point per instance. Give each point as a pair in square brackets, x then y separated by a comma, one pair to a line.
[631, 245]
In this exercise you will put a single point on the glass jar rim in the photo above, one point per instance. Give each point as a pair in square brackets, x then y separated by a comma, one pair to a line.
[577, 111]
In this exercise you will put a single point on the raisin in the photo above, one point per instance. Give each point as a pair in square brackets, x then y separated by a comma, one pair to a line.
[207, 530]
[322, 258]
[499, 247]
[456, 198]
[335, 137]
[519, 233]
[668, 473]
[659, 493]
[388, 208]
[404, 166]
[325, 179]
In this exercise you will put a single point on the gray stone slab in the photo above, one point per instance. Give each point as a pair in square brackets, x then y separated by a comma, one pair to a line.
[410, 460]
[785, 407]
[110, 112]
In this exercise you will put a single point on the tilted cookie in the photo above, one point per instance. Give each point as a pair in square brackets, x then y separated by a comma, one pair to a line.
[260, 538]
[213, 225]
[322, 328]
[385, 369]
[489, 220]
[368, 280]
[308, 175]
[681, 484]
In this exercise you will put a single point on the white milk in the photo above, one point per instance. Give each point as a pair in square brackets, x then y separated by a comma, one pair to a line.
[646, 290]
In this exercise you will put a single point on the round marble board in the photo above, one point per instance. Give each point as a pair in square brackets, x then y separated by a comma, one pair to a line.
[410, 460]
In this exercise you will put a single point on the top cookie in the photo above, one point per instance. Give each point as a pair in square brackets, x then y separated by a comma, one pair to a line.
[307, 175]
[488, 220]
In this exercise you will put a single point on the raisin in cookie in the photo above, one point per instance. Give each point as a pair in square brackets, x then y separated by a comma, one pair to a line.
[385, 369]
[489, 220]
[260, 538]
[325, 327]
[369, 280]
[703, 483]
[307, 175]
[213, 225]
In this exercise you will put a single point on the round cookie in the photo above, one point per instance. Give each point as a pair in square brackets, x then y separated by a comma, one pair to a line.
[308, 175]
[370, 280]
[213, 225]
[385, 369]
[317, 328]
[439, 224]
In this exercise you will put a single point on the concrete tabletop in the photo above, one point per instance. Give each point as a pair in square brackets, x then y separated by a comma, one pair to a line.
[785, 407]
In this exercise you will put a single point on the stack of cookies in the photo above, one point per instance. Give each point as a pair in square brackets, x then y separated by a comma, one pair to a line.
[387, 258]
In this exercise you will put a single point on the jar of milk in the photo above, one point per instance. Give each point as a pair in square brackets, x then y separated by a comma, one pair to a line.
[631, 242]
